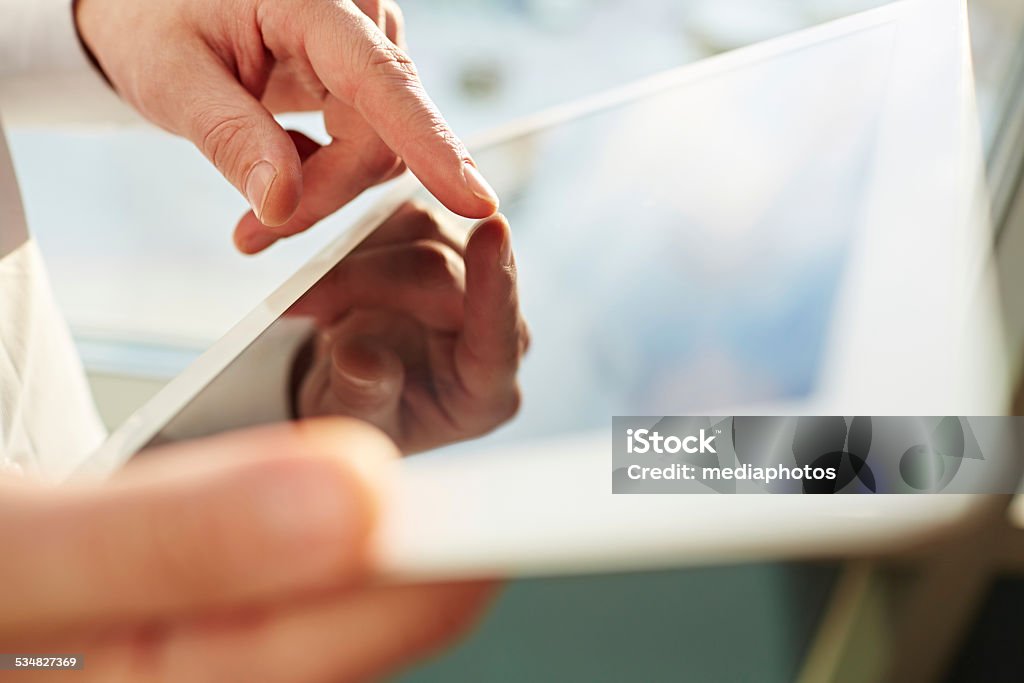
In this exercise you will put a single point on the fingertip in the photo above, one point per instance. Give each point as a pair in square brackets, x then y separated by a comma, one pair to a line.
[458, 184]
[492, 234]
[496, 218]
[479, 187]
[273, 187]
[281, 199]
[277, 203]
[273, 182]
[465, 204]
[251, 237]
[489, 225]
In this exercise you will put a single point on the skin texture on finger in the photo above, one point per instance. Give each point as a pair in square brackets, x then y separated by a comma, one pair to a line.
[423, 279]
[377, 79]
[217, 522]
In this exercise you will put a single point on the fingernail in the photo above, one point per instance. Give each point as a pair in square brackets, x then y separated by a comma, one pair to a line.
[478, 185]
[257, 186]
[359, 364]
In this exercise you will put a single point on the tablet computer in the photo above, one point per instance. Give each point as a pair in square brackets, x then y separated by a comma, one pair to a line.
[792, 228]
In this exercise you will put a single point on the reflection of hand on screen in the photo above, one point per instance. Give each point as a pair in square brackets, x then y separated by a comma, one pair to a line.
[417, 334]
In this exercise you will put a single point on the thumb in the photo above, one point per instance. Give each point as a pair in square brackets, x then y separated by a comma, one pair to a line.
[244, 141]
[366, 381]
[219, 522]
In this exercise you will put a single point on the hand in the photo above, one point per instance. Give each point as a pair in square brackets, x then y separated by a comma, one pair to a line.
[417, 334]
[237, 558]
[210, 70]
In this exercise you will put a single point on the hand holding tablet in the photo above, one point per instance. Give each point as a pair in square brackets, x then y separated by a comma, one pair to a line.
[239, 557]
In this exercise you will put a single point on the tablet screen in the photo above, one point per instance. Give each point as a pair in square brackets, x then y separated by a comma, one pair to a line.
[682, 251]
[682, 254]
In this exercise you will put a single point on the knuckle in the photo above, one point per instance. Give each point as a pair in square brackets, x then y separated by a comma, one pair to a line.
[385, 58]
[385, 62]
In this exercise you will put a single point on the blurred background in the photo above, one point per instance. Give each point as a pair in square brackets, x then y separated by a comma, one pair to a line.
[134, 204]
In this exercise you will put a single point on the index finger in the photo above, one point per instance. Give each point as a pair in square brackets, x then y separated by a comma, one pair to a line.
[357, 63]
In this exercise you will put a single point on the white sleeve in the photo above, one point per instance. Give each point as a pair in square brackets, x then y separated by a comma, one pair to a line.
[46, 77]
[48, 423]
